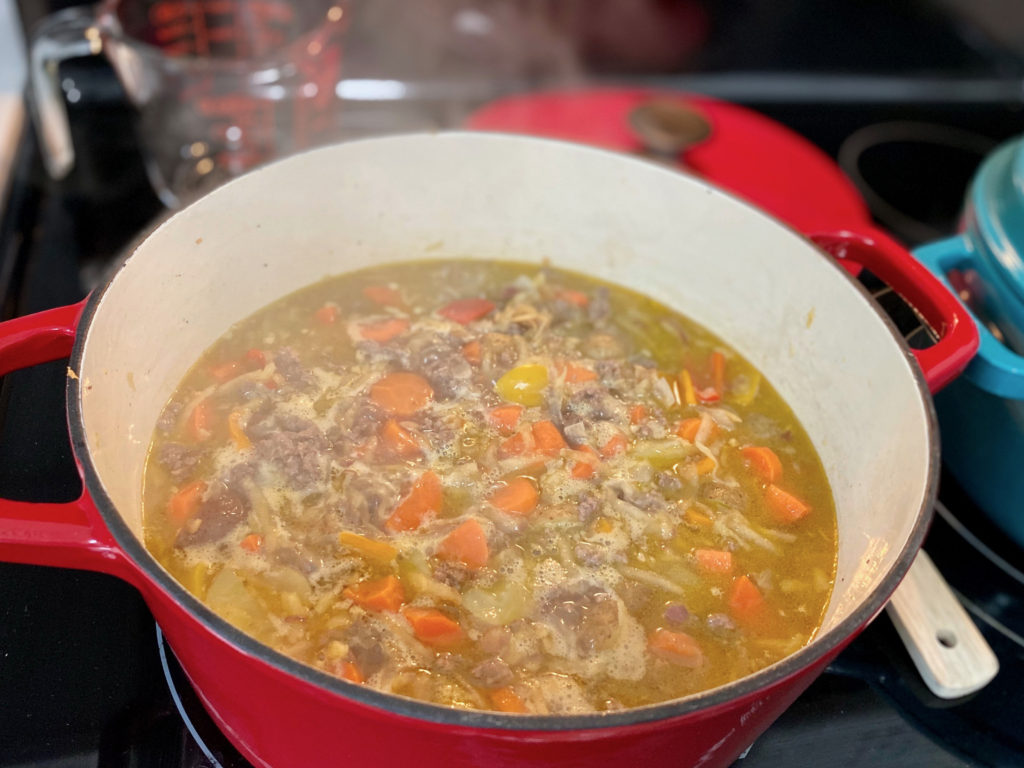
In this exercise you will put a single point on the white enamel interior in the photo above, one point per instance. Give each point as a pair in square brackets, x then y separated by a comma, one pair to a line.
[761, 286]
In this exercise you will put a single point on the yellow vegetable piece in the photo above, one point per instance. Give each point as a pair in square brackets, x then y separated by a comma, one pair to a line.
[697, 518]
[749, 392]
[689, 394]
[705, 465]
[524, 384]
[603, 525]
[368, 548]
[241, 439]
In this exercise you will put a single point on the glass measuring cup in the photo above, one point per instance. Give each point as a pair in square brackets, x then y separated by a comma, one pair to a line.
[219, 85]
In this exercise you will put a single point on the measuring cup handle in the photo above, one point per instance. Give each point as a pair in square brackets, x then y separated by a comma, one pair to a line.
[996, 369]
[67, 34]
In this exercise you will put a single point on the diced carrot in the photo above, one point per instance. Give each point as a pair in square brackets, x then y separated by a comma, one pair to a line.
[714, 560]
[465, 311]
[398, 441]
[271, 383]
[577, 374]
[746, 603]
[327, 314]
[241, 440]
[675, 647]
[547, 440]
[786, 507]
[350, 672]
[688, 429]
[517, 497]
[251, 543]
[401, 393]
[697, 518]
[579, 298]
[422, 503]
[226, 371]
[763, 461]
[505, 418]
[383, 294]
[582, 470]
[473, 352]
[467, 544]
[383, 331]
[638, 413]
[689, 394]
[371, 549]
[185, 503]
[705, 465]
[521, 442]
[199, 421]
[507, 700]
[433, 628]
[616, 444]
[256, 359]
[718, 371]
[378, 595]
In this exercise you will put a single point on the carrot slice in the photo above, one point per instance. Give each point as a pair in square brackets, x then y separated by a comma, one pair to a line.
[398, 441]
[521, 442]
[383, 331]
[746, 603]
[327, 314]
[422, 503]
[763, 461]
[378, 595]
[786, 507]
[675, 647]
[465, 311]
[579, 298]
[638, 413]
[688, 429]
[616, 444]
[714, 560]
[256, 359]
[547, 440]
[226, 371]
[185, 503]
[241, 440]
[507, 700]
[517, 497]
[199, 421]
[350, 672]
[383, 294]
[505, 418]
[251, 543]
[718, 371]
[577, 374]
[582, 470]
[473, 352]
[433, 628]
[467, 544]
[401, 393]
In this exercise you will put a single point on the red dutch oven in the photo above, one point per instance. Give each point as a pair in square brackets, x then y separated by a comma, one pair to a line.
[776, 296]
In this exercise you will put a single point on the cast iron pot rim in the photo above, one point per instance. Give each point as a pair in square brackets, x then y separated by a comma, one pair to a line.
[806, 657]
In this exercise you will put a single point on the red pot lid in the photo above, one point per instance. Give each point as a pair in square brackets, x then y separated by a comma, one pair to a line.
[748, 154]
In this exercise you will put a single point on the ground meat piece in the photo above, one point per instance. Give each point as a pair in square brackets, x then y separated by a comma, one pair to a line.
[723, 494]
[587, 506]
[439, 358]
[594, 403]
[676, 613]
[169, 418]
[297, 453]
[501, 349]
[576, 433]
[635, 595]
[365, 643]
[600, 306]
[492, 673]
[588, 613]
[180, 460]
[217, 516]
[594, 554]
[367, 500]
[292, 369]
[668, 481]
[451, 573]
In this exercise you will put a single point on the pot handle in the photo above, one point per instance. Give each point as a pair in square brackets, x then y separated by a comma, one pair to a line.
[67, 535]
[892, 263]
[996, 369]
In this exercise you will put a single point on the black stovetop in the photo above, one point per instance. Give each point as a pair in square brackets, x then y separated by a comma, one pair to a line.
[86, 681]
